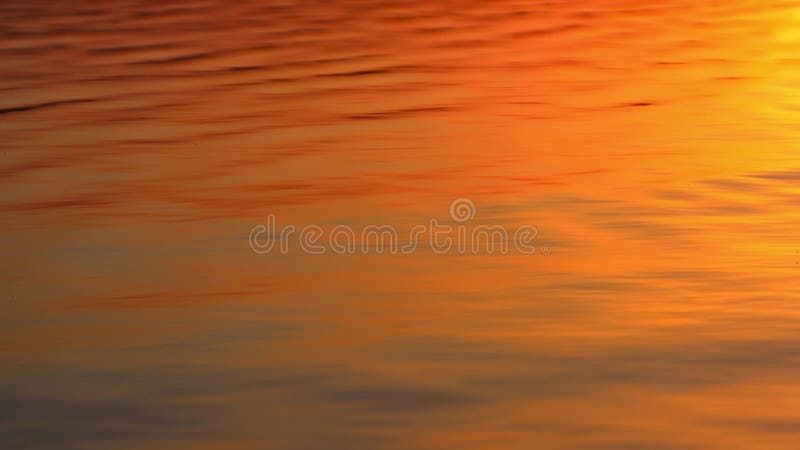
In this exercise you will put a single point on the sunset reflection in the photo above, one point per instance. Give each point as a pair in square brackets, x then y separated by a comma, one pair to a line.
[653, 148]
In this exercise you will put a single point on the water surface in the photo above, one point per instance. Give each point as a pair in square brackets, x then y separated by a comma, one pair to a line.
[654, 146]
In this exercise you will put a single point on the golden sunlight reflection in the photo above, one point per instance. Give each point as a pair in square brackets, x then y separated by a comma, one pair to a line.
[652, 146]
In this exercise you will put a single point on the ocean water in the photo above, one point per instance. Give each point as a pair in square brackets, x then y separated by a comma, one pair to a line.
[654, 148]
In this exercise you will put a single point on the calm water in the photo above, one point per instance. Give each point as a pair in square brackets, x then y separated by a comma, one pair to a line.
[655, 147]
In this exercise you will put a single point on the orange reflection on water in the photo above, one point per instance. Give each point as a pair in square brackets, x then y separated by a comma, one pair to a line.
[653, 146]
